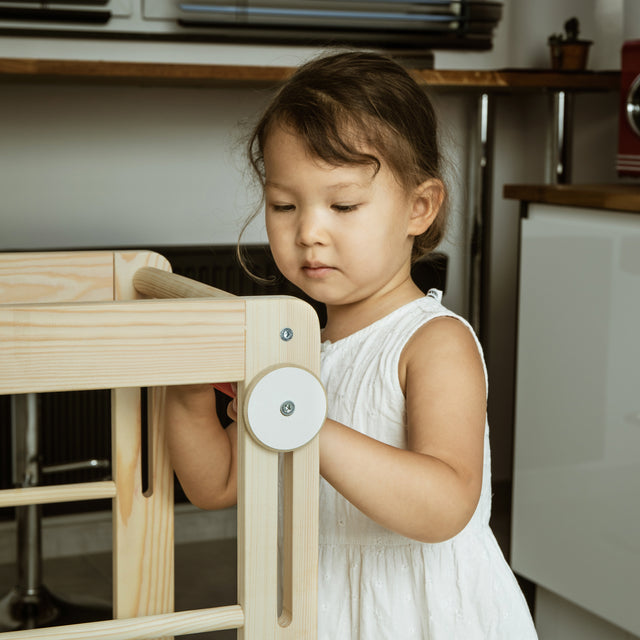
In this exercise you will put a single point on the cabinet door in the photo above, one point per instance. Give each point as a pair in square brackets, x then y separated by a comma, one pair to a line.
[576, 503]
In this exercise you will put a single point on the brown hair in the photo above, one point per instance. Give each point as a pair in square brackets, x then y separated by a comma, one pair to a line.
[343, 103]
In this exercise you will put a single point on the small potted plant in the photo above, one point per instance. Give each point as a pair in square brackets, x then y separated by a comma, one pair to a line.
[568, 52]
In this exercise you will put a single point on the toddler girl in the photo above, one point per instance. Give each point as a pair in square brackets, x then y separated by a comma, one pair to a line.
[348, 157]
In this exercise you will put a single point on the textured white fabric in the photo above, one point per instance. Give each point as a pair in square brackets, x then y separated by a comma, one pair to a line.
[375, 584]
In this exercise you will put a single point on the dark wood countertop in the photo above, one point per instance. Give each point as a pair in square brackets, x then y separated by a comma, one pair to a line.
[614, 197]
[41, 69]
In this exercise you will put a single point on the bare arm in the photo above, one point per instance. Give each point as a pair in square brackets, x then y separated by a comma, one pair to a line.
[430, 491]
[203, 453]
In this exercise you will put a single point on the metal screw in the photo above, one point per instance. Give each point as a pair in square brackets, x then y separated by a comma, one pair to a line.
[286, 334]
[287, 408]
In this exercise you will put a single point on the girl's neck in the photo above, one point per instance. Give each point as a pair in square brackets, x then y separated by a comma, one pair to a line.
[344, 320]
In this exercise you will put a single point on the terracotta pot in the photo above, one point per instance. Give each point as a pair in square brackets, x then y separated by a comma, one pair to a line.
[570, 56]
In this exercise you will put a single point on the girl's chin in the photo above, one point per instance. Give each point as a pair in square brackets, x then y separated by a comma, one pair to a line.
[329, 298]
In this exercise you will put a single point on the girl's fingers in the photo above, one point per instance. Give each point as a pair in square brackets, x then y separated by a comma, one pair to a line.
[232, 409]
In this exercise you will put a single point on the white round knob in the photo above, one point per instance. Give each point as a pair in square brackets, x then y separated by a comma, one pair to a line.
[285, 408]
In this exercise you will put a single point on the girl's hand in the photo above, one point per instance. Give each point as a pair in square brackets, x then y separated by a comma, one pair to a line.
[203, 453]
[230, 389]
[232, 409]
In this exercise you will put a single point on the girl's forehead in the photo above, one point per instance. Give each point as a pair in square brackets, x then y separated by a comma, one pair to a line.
[284, 147]
[317, 174]
[345, 137]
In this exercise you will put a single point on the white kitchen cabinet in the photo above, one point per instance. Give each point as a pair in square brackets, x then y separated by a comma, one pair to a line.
[576, 492]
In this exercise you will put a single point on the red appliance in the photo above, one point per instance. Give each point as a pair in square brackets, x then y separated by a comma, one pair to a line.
[628, 161]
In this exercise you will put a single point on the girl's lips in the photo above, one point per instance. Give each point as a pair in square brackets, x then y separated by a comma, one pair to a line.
[316, 270]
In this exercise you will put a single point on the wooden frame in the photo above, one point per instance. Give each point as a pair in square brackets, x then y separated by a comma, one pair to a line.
[90, 330]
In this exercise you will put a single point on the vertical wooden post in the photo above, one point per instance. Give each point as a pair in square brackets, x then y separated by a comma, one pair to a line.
[143, 568]
[268, 345]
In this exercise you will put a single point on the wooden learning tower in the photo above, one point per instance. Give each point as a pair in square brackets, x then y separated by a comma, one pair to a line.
[122, 321]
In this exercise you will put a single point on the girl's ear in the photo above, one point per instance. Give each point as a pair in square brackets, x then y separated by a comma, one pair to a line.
[427, 200]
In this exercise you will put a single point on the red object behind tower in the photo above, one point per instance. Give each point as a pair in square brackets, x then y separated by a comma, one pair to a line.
[628, 161]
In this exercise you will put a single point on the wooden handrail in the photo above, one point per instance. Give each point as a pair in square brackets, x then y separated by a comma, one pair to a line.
[157, 283]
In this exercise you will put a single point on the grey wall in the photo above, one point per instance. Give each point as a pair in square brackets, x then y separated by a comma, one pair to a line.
[85, 165]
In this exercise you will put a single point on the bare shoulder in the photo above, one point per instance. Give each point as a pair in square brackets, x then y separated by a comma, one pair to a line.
[443, 380]
[443, 344]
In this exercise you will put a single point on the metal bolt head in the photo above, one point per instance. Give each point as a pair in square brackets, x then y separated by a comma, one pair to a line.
[286, 334]
[287, 408]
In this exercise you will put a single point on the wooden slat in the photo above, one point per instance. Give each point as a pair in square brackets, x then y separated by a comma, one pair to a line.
[143, 536]
[162, 625]
[62, 276]
[301, 477]
[57, 493]
[143, 550]
[120, 344]
[257, 491]
[156, 283]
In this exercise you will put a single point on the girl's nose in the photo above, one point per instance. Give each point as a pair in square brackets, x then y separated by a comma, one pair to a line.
[310, 229]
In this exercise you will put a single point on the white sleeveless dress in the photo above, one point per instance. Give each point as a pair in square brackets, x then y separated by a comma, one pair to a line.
[375, 584]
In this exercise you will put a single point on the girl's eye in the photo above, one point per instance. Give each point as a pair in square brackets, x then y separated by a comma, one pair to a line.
[282, 207]
[345, 208]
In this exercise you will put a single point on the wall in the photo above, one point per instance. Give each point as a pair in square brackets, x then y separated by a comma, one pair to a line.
[91, 165]
[113, 166]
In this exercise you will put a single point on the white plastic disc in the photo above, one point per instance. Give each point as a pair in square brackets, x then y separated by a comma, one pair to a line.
[285, 408]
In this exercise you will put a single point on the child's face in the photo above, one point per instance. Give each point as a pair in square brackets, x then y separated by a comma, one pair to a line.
[341, 234]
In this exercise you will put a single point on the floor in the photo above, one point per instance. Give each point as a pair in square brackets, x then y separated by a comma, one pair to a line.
[205, 576]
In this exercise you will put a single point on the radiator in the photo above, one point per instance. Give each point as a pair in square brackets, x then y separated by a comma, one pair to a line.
[76, 425]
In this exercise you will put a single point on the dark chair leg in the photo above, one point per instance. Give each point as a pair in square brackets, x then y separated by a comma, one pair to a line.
[30, 604]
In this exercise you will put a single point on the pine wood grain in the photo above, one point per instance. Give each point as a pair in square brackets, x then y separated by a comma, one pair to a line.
[94, 345]
[257, 494]
[182, 622]
[54, 277]
[57, 493]
[127, 343]
[156, 283]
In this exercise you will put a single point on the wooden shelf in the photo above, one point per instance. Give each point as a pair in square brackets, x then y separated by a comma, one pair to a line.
[521, 79]
[32, 69]
[614, 197]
